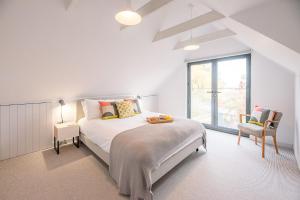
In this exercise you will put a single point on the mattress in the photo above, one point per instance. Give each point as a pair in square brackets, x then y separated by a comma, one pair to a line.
[101, 132]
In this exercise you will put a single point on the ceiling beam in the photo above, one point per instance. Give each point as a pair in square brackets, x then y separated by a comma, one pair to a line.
[205, 38]
[150, 7]
[188, 25]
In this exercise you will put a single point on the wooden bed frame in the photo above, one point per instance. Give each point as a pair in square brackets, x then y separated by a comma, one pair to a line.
[164, 168]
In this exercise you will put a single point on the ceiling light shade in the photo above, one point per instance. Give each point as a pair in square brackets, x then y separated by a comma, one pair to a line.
[191, 47]
[128, 18]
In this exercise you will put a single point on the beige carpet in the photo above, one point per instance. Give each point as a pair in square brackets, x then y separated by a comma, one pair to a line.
[226, 171]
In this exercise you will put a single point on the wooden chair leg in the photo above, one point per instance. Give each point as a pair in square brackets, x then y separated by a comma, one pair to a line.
[275, 144]
[239, 137]
[256, 140]
[263, 145]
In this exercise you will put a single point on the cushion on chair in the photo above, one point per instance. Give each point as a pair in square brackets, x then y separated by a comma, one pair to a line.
[259, 115]
[252, 129]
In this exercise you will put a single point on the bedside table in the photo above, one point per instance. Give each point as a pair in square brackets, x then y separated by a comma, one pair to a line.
[65, 131]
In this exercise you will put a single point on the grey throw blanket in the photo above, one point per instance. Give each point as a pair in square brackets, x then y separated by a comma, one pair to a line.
[135, 153]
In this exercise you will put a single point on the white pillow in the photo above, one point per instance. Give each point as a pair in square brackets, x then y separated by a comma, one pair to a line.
[83, 107]
[91, 108]
[141, 104]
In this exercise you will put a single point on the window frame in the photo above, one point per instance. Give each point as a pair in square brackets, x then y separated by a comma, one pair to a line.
[214, 85]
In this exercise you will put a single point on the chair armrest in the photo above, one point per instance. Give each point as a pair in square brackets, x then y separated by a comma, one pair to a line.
[269, 121]
[243, 115]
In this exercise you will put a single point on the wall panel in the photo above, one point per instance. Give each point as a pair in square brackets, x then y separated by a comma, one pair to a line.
[21, 127]
[25, 128]
[36, 127]
[43, 126]
[13, 130]
[4, 133]
[29, 128]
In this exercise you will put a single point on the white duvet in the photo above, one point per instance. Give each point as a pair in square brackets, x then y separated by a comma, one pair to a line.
[102, 132]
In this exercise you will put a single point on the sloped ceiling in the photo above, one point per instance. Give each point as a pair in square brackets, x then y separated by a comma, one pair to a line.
[48, 51]
[269, 27]
[231, 7]
[279, 20]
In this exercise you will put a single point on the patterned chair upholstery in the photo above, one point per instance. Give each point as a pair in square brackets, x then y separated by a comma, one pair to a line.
[269, 129]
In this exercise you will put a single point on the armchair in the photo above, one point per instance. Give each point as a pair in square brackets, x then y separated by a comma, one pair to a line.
[268, 129]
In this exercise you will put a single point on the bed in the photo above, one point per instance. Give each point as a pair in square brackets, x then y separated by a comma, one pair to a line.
[100, 144]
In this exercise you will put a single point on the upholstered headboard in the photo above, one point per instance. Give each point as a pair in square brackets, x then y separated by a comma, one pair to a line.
[79, 108]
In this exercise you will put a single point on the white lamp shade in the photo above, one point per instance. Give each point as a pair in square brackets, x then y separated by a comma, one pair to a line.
[191, 47]
[128, 18]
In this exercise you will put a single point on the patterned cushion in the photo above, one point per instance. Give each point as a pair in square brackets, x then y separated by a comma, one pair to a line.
[125, 109]
[259, 115]
[108, 110]
[136, 105]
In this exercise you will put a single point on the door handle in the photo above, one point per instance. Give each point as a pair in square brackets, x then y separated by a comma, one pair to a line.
[213, 92]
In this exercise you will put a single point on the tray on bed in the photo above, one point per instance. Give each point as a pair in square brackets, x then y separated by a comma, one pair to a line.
[158, 120]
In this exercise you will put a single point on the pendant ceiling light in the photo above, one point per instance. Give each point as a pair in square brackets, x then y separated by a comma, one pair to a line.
[191, 47]
[128, 17]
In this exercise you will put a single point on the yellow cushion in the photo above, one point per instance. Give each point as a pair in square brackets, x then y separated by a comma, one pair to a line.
[125, 109]
[255, 122]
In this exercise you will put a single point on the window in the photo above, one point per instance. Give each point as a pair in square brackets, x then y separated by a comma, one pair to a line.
[218, 91]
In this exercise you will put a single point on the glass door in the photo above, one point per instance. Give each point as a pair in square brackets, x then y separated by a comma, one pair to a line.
[218, 91]
[201, 83]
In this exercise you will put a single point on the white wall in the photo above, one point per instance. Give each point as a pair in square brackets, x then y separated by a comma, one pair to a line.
[272, 86]
[297, 125]
[173, 93]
